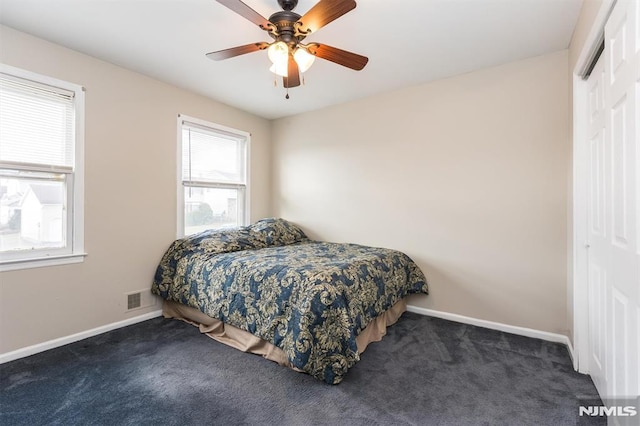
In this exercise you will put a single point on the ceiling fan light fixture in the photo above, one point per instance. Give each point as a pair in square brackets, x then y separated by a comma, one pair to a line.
[278, 52]
[279, 70]
[303, 58]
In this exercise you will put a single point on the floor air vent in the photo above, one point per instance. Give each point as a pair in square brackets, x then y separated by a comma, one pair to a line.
[133, 301]
[140, 299]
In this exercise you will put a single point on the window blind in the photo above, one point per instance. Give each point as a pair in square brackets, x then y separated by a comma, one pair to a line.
[212, 157]
[37, 124]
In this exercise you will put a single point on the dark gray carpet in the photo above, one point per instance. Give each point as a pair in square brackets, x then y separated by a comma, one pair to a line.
[426, 371]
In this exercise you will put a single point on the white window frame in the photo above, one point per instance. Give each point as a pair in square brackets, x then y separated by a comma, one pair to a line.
[73, 252]
[182, 119]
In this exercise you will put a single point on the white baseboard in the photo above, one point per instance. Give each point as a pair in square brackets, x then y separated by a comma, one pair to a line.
[574, 360]
[41, 347]
[522, 331]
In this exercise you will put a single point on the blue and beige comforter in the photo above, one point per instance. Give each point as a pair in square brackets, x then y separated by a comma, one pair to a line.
[309, 298]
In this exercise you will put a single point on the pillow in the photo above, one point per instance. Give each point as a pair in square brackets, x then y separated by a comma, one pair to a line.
[277, 232]
[228, 240]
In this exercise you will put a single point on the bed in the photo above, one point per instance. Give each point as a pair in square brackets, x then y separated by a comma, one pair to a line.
[267, 288]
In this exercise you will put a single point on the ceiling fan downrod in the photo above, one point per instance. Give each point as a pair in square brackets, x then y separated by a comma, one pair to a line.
[288, 4]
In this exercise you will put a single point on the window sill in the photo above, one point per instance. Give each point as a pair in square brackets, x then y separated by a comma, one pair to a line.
[40, 262]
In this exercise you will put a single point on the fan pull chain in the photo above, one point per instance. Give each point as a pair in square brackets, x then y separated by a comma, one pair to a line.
[287, 97]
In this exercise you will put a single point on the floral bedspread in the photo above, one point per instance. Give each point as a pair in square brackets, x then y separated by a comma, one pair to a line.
[309, 298]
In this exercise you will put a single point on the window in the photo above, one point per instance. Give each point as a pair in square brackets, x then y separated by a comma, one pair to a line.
[213, 177]
[41, 173]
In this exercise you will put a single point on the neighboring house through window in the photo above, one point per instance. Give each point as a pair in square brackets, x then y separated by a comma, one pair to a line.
[212, 176]
[41, 170]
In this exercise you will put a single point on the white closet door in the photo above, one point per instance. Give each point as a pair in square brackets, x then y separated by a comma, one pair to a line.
[597, 228]
[614, 209]
[621, 105]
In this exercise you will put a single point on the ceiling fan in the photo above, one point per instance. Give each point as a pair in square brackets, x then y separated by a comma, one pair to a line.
[288, 54]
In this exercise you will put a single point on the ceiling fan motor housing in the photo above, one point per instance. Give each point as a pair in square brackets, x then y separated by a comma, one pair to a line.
[284, 22]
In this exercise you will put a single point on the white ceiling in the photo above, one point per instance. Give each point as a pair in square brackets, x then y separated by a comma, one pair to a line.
[408, 42]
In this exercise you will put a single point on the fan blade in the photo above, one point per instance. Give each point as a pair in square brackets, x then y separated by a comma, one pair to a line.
[246, 12]
[293, 79]
[237, 51]
[322, 13]
[339, 56]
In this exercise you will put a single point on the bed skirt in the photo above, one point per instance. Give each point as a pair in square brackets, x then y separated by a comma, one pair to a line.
[247, 342]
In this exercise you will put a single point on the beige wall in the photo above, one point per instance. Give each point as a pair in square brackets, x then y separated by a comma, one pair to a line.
[130, 192]
[467, 175]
